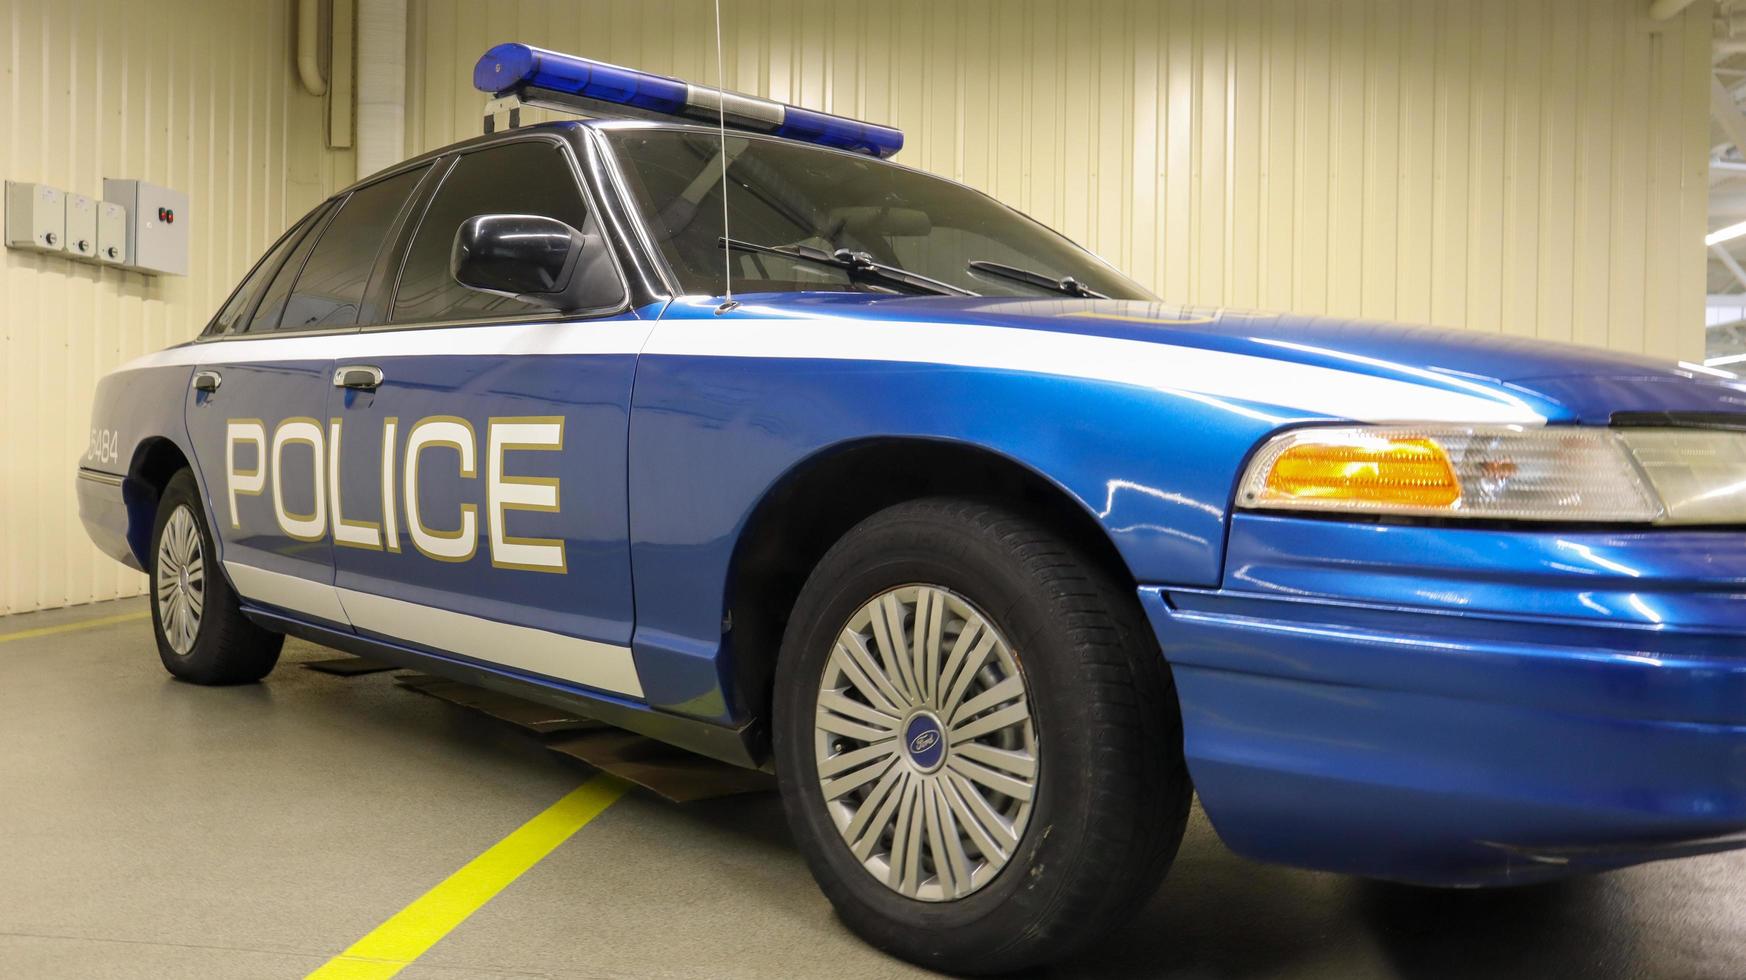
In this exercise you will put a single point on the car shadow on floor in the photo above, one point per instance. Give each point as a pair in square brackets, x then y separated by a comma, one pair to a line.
[1220, 916]
[1562, 928]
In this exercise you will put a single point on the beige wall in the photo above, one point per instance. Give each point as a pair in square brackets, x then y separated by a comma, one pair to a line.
[1530, 166]
[1527, 166]
[194, 94]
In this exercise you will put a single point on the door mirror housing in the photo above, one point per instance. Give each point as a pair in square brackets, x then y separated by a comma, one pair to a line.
[537, 260]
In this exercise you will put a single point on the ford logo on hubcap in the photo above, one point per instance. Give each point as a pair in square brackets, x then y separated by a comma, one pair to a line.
[924, 739]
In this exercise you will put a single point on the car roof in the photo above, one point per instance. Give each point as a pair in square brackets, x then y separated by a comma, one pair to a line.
[609, 124]
[560, 127]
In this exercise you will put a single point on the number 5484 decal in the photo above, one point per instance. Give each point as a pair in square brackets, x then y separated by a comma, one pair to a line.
[450, 537]
[103, 446]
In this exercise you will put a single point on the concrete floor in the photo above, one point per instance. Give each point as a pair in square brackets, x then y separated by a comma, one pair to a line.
[154, 829]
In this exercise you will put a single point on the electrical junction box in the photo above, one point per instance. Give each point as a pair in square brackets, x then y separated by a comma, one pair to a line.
[36, 217]
[157, 226]
[111, 233]
[81, 226]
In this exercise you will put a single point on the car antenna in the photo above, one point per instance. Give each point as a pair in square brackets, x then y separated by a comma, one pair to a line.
[727, 254]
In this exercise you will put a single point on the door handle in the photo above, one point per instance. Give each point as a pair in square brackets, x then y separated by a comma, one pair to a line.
[207, 381]
[360, 377]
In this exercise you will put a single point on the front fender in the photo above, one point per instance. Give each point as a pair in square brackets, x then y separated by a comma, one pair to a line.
[712, 435]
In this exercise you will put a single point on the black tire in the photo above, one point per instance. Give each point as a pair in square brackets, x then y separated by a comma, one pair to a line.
[1112, 791]
[227, 648]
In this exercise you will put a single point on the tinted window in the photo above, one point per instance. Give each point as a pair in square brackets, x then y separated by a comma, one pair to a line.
[238, 304]
[273, 299]
[796, 196]
[332, 283]
[529, 177]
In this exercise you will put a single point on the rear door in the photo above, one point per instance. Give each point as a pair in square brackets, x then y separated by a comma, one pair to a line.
[258, 414]
[253, 414]
[483, 450]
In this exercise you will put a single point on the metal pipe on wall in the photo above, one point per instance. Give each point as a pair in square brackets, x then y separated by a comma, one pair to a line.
[381, 84]
[309, 47]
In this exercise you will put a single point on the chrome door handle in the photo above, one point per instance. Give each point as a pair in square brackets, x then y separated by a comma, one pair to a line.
[207, 381]
[360, 377]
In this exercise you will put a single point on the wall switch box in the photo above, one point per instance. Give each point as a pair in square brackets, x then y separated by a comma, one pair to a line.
[36, 217]
[111, 233]
[81, 226]
[157, 226]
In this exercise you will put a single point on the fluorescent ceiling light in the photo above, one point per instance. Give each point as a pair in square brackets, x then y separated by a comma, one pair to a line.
[1712, 370]
[1727, 234]
[1719, 361]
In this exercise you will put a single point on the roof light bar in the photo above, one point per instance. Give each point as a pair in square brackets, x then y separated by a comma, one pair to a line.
[565, 82]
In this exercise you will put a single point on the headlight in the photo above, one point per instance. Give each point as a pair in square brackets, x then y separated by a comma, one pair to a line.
[1667, 476]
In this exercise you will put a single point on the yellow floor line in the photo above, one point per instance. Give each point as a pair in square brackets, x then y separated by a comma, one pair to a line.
[394, 944]
[85, 624]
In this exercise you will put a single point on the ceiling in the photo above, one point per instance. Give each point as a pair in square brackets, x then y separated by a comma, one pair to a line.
[1727, 265]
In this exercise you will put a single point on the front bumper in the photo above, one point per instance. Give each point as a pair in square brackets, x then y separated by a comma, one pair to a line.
[1465, 706]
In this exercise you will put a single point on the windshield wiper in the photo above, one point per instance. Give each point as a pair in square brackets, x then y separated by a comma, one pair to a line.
[1065, 284]
[859, 266]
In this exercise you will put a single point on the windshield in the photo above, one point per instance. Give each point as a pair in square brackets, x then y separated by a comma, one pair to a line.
[841, 217]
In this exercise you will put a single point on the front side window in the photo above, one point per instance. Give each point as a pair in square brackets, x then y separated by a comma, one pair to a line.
[332, 283]
[813, 202]
[526, 177]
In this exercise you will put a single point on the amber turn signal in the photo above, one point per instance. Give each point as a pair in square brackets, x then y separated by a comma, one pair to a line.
[1393, 472]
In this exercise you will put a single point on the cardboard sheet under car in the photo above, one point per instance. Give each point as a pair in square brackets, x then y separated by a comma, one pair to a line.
[680, 776]
[523, 714]
[346, 666]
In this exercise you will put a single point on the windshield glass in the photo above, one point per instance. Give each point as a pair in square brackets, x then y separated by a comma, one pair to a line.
[789, 196]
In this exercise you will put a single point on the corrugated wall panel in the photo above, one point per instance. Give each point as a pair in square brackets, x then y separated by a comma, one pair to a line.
[198, 95]
[1530, 167]
[1527, 166]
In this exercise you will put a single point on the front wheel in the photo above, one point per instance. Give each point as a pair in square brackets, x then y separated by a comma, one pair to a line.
[202, 634]
[977, 741]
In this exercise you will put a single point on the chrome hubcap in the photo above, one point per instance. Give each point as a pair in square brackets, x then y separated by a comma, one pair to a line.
[927, 754]
[181, 585]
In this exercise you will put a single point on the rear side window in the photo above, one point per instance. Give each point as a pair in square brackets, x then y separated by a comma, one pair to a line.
[272, 304]
[332, 282]
[529, 177]
[229, 319]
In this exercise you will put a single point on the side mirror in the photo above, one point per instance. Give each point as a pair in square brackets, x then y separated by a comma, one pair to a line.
[534, 259]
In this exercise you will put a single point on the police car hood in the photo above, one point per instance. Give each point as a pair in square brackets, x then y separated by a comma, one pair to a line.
[1561, 382]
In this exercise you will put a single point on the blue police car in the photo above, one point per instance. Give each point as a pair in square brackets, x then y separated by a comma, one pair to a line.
[990, 555]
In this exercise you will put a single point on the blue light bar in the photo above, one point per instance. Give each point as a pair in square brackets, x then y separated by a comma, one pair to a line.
[565, 82]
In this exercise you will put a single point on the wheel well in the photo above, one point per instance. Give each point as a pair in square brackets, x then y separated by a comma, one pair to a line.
[155, 461]
[815, 505]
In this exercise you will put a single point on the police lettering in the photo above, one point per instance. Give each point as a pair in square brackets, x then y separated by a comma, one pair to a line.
[452, 537]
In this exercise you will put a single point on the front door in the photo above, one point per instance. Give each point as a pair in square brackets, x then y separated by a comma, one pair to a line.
[480, 509]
